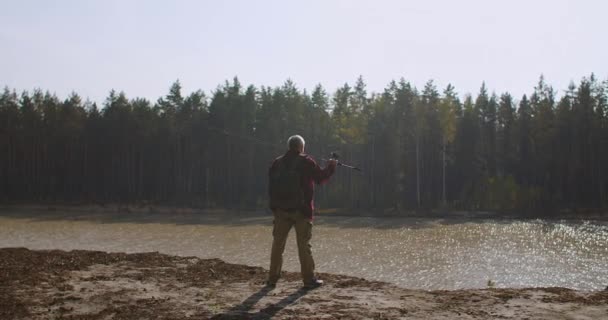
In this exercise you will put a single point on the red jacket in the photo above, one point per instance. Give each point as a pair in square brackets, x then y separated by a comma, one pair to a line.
[311, 173]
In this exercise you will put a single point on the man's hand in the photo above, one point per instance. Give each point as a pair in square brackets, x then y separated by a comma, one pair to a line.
[332, 163]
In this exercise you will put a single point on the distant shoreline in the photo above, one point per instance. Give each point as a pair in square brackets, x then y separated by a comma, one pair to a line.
[114, 208]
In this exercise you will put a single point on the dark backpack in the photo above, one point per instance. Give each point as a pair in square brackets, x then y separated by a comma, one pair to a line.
[285, 187]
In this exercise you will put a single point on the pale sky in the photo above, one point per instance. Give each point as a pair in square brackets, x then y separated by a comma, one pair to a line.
[141, 47]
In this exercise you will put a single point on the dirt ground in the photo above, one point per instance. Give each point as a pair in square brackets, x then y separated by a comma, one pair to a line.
[97, 285]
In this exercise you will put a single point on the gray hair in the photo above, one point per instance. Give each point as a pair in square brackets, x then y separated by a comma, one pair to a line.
[294, 142]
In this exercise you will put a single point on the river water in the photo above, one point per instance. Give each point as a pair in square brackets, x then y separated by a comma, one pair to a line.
[412, 253]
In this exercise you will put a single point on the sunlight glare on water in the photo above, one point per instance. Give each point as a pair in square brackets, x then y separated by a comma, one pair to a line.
[412, 253]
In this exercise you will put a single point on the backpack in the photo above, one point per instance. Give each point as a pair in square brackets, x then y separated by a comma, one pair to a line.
[285, 187]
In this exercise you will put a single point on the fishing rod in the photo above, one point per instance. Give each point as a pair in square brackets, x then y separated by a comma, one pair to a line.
[336, 156]
[333, 155]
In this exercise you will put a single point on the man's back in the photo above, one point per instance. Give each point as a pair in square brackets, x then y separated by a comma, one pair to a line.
[285, 182]
[310, 173]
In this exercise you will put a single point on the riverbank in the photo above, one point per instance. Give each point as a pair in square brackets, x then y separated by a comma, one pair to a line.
[97, 285]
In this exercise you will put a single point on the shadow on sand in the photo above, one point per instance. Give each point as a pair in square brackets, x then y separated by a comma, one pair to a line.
[241, 311]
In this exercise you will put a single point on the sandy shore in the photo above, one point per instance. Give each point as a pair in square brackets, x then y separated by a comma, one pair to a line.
[97, 285]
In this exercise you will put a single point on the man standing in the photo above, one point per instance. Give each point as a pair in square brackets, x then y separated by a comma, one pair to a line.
[291, 189]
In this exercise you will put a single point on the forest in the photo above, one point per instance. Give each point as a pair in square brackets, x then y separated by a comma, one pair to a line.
[420, 149]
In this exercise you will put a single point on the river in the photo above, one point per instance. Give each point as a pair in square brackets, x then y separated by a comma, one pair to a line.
[410, 252]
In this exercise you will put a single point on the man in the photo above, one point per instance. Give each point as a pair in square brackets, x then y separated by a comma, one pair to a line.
[291, 189]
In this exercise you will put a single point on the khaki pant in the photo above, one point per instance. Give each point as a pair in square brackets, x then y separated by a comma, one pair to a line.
[283, 221]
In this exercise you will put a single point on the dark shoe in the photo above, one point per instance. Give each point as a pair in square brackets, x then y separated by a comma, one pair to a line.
[315, 283]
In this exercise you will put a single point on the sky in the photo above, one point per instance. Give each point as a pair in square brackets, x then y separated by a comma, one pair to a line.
[142, 47]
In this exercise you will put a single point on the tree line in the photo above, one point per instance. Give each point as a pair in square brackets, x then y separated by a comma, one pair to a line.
[419, 149]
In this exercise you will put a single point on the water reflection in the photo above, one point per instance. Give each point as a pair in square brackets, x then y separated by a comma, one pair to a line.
[414, 253]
